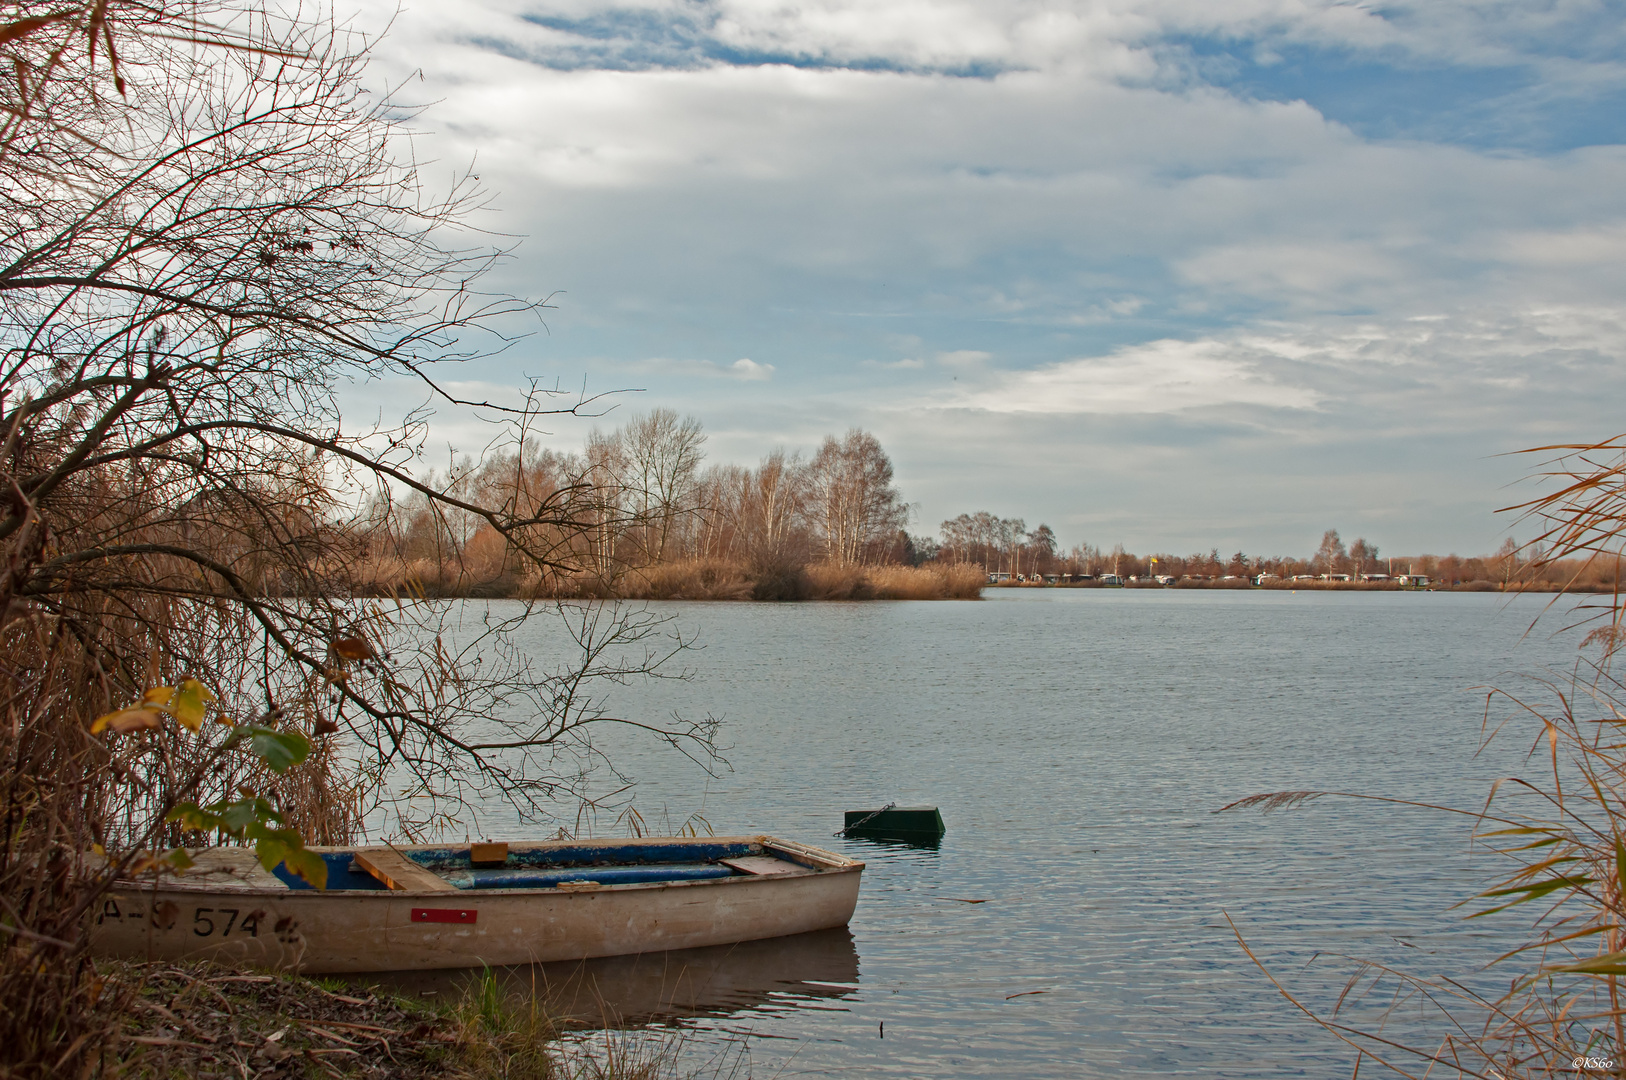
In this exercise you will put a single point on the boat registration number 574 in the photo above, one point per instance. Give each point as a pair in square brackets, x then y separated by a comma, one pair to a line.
[205, 921]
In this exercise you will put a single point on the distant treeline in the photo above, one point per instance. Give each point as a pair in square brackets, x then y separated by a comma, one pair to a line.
[1005, 547]
[639, 513]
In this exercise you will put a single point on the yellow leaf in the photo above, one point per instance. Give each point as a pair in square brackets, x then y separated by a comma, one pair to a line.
[98, 849]
[189, 703]
[352, 649]
[144, 863]
[127, 720]
[158, 695]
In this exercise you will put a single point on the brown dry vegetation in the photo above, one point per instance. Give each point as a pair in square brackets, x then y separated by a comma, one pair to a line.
[204, 1021]
[197, 249]
[640, 519]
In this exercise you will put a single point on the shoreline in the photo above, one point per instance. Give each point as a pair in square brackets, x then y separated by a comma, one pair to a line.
[1545, 588]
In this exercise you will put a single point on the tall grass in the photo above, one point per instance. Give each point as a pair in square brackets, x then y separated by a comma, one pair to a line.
[962, 581]
[687, 579]
[503, 1030]
[830, 581]
[698, 579]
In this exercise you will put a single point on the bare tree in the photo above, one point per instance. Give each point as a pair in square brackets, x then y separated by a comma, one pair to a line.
[855, 504]
[1042, 543]
[1330, 557]
[1363, 556]
[186, 286]
[778, 505]
[661, 463]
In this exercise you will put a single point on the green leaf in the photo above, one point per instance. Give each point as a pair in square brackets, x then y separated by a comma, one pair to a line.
[1607, 964]
[278, 749]
[1541, 888]
[1620, 866]
[308, 865]
[1527, 893]
[259, 831]
[244, 813]
[194, 816]
[179, 859]
[1532, 845]
[271, 851]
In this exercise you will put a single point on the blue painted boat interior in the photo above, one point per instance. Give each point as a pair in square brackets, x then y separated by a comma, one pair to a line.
[339, 874]
[522, 878]
[606, 864]
[588, 854]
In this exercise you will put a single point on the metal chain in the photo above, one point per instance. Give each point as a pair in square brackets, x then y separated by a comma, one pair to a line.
[845, 829]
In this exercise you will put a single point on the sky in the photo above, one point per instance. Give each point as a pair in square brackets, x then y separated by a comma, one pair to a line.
[1177, 274]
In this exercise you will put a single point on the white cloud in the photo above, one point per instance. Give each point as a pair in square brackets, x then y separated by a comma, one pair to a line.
[1113, 38]
[1448, 372]
[1593, 245]
[1331, 267]
[1140, 249]
[1159, 377]
[742, 370]
[964, 359]
[750, 370]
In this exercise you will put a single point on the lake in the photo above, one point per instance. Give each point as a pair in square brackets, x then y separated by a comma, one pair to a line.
[1077, 742]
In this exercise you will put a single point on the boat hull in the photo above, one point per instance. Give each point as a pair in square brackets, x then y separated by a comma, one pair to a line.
[358, 931]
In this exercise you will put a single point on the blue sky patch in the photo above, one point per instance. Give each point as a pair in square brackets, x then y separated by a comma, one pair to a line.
[1487, 108]
[624, 39]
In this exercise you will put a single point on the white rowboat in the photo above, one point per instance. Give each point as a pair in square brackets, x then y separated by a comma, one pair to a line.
[437, 906]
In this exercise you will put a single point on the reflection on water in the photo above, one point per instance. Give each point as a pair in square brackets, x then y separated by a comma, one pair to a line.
[888, 845]
[1077, 919]
[802, 971]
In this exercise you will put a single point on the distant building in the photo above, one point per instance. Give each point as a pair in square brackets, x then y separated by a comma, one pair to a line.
[1413, 581]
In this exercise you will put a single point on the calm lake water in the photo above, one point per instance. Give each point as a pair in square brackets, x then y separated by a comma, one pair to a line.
[1077, 742]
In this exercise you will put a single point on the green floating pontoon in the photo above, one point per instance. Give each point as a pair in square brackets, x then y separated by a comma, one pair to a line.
[898, 822]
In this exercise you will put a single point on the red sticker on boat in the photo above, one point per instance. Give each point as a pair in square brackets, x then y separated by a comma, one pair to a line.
[442, 914]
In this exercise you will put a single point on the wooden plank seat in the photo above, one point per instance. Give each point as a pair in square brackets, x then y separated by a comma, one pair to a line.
[764, 865]
[399, 872]
[229, 868]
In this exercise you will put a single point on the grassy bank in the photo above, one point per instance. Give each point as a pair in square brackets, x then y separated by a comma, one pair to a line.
[202, 1020]
[1318, 586]
[693, 579]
